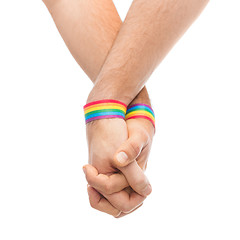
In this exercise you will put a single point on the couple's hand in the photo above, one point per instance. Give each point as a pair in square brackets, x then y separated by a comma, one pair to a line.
[108, 178]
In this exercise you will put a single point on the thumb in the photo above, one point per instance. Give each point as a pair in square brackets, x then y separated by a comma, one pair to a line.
[130, 150]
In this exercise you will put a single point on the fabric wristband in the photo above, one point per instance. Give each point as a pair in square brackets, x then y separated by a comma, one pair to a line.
[140, 111]
[104, 109]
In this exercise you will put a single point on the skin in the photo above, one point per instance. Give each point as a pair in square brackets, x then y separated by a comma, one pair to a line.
[73, 20]
[102, 183]
[150, 30]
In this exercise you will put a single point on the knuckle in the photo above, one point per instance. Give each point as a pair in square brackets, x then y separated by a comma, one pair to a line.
[134, 148]
[93, 204]
[125, 208]
[89, 180]
[108, 188]
[141, 183]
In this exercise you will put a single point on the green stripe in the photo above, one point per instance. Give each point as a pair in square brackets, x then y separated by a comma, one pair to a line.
[104, 110]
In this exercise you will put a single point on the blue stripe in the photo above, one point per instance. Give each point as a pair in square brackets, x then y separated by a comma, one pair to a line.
[140, 108]
[105, 114]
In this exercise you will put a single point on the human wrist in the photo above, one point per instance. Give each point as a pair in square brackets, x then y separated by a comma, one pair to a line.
[140, 107]
[141, 98]
[101, 92]
[101, 106]
[103, 109]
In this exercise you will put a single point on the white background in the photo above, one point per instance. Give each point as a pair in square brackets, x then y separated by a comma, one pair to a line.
[195, 161]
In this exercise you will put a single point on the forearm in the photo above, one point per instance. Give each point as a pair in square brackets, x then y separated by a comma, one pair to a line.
[149, 32]
[89, 29]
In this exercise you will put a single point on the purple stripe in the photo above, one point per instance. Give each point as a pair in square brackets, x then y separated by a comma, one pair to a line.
[102, 117]
[139, 104]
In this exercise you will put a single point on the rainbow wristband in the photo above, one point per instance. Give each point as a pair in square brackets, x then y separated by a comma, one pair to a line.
[104, 109]
[140, 111]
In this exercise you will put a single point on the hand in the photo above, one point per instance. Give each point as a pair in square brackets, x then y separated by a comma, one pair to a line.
[136, 147]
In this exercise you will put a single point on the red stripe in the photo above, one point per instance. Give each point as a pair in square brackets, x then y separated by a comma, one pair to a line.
[140, 116]
[104, 101]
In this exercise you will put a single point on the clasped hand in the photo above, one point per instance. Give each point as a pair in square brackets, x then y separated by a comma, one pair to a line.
[118, 153]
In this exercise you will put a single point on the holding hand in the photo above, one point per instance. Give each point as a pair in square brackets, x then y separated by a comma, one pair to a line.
[106, 138]
[110, 186]
[119, 58]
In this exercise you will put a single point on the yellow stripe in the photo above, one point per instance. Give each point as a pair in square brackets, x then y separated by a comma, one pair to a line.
[143, 113]
[105, 104]
[106, 107]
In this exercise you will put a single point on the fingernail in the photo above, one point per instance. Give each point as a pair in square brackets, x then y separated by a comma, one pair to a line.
[147, 190]
[122, 157]
[84, 170]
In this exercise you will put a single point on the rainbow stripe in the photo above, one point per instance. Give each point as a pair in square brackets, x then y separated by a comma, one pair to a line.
[140, 111]
[104, 109]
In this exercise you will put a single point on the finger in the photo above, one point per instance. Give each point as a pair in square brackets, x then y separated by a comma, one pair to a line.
[104, 183]
[124, 201]
[100, 203]
[122, 214]
[130, 150]
[137, 179]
